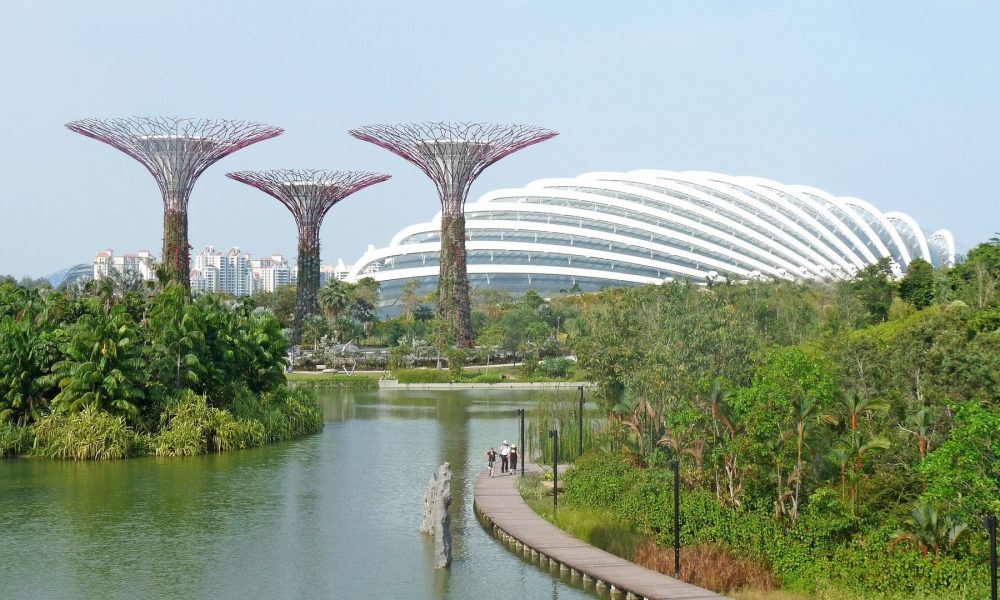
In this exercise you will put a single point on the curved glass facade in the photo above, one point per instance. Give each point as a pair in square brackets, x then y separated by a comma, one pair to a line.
[641, 227]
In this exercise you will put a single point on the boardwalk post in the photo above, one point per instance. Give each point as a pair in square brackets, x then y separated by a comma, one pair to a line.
[524, 453]
[990, 523]
[554, 434]
[581, 424]
[676, 466]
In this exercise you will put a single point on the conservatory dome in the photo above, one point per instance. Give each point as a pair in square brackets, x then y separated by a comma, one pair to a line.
[645, 227]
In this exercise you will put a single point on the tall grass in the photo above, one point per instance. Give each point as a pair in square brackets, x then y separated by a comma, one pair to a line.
[596, 527]
[90, 434]
[559, 410]
[15, 439]
[711, 567]
[193, 427]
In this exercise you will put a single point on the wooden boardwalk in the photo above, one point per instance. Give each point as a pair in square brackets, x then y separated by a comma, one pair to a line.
[498, 504]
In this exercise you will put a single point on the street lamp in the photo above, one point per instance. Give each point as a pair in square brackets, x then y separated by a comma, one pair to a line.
[990, 523]
[676, 466]
[554, 434]
[524, 456]
[581, 424]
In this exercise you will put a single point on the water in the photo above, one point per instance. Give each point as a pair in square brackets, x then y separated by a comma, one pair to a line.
[334, 515]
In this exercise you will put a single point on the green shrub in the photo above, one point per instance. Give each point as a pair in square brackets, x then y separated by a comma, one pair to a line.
[555, 366]
[238, 434]
[488, 378]
[333, 380]
[823, 550]
[304, 415]
[189, 427]
[423, 376]
[457, 358]
[15, 439]
[90, 434]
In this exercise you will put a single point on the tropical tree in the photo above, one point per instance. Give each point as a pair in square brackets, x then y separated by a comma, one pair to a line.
[335, 297]
[103, 365]
[177, 334]
[27, 352]
[856, 404]
[930, 531]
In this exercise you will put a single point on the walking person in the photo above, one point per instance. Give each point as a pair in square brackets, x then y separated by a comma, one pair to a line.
[512, 457]
[491, 459]
[504, 452]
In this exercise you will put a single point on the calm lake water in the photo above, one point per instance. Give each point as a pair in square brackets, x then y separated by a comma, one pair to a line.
[334, 515]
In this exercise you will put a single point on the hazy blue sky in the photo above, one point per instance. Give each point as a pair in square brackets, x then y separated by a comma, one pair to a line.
[893, 102]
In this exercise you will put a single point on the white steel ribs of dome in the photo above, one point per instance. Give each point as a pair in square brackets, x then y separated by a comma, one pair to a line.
[910, 230]
[760, 256]
[857, 251]
[736, 262]
[766, 255]
[863, 208]
[853, 218]
[768, 237]
[541, 249]
[767, 203]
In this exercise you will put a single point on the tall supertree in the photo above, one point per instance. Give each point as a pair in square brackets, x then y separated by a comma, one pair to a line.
[309, 195]
[453, 155]
[175, 151]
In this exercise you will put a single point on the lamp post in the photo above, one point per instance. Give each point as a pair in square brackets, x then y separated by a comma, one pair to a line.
[523, 456]
[676, 466]
[581, 423]
[554, 434]
[990, 523]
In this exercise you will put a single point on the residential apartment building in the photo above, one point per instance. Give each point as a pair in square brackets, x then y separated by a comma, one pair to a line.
[141, 263]
[270, 273]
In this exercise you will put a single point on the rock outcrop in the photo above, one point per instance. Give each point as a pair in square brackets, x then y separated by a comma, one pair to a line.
[437, 519]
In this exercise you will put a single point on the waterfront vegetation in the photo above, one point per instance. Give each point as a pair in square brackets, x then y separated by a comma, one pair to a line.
[842, 436]
[116, 370]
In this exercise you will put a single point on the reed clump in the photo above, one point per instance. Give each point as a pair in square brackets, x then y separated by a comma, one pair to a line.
[708, 566]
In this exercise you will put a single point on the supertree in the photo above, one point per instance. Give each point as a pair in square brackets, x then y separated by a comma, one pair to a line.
[175, 151]
[453, 155]
[309, 195]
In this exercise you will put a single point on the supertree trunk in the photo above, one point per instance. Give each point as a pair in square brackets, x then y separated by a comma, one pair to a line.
[454, 304]
[176, 250]
[307, 286]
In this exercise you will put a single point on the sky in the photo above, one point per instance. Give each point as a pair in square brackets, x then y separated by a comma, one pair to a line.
[894, 102]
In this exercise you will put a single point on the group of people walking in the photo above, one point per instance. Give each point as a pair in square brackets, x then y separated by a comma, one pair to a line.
[507, 455]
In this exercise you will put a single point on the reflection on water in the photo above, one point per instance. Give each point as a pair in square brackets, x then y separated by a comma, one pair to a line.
[332, 515]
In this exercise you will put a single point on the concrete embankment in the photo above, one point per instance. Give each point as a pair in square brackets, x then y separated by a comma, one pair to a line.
[393, 384]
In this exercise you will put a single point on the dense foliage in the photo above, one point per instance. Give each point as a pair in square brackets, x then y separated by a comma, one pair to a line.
[846, 432]
[106, 372]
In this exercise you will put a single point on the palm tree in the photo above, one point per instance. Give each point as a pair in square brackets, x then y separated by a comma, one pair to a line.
[929, 531]
[861, 445]
[103, 367]
[856, 404]
[335, 297]
[26, 384]
[841, 456]
[803, 413]
[921, 421]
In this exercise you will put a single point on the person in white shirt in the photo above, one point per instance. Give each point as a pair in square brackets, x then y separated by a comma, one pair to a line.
[504, 451]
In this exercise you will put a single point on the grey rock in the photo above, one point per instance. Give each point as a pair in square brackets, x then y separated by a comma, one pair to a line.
[437, 518]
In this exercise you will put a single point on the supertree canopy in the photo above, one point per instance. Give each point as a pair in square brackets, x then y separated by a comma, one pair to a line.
[453, 155]
[309, 195]
[176, 151]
